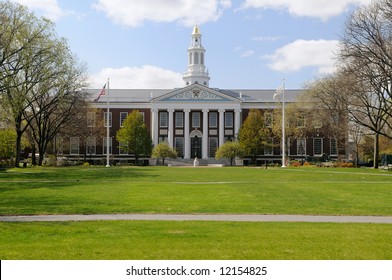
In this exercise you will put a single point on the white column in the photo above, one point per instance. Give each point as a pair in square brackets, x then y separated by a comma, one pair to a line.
[221, 127]
[205, 134]
[187, 146]
[237, 122]
[170, 133]
[154, 126]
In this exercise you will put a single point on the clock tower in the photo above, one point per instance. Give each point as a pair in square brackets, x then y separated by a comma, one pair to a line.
[197, 72]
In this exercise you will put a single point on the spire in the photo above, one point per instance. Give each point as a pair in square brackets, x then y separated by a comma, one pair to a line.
[197, 72]
[195, 30]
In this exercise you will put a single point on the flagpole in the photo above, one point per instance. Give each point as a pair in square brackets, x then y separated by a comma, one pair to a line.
[107, 127]
[283, 128]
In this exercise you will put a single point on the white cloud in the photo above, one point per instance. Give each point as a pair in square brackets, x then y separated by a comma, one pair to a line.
[147, 76]
[301, 53]
[244, 52]
[187, 12]
[247, 53]
[266, 38]
[49, 8]
[323, 9]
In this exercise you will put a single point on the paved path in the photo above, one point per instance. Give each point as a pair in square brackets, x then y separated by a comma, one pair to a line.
[175, 217]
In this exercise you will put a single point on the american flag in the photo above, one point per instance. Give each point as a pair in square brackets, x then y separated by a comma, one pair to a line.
[102, 92]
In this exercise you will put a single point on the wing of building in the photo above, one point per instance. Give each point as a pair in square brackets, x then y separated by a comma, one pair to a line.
[195, 119]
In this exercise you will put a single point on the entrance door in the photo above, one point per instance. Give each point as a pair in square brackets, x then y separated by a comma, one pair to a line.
[196, 145]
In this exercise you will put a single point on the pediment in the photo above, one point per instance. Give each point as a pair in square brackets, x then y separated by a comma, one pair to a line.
[195, 93]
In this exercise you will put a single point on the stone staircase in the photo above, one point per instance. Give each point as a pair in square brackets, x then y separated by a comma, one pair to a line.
[190, 162]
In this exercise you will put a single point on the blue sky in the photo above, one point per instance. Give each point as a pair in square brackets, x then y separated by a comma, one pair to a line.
[251, 44]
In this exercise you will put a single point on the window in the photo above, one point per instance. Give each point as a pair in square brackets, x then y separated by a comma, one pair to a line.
[335, 118]
[301, 120]
[269, 147]
[74, 145]
[179, 119]
[213, 119]
[334, 146]
[317, 146]
[105, 145]
[58, 145]
[196, 58]
[90, 119]
[268, 118]
[318, 123]
[105, 114]
[123, 116]
[229, 119]
[212, 146]
[195, 119]
[163, 119]
[142, 113]
[91, 146]
[202, 58]
[179, 146]
[123, 148]
[164, 139]
[301, 146]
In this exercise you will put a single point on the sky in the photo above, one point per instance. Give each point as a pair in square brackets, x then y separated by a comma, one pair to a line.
[250, 44]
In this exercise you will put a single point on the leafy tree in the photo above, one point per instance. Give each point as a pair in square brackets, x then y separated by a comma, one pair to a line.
[229, 150]
[134, 136]
[7, 143]
[21, 54]
[40, 80]
[253, 134]
[330, 98]
[163, 151]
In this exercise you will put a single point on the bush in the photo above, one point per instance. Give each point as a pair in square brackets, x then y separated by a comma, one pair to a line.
[347, 164]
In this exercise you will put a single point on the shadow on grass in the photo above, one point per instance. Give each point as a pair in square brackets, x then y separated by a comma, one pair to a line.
[57, 178]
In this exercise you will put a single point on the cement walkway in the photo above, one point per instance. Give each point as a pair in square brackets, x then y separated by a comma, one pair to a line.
[175, 217]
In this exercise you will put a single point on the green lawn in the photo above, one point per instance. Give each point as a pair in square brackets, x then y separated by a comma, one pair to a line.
[195, 190]
[194, 240]
[87, 190]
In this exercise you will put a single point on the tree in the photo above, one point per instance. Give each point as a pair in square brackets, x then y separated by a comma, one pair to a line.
[253, 134]
[40, 80]
[7, 143]
[229, 150]
[58, 99]
[134, 136]
[366, 56]
[21, 51]
[87, 127]
[163, 151]
[330, 99]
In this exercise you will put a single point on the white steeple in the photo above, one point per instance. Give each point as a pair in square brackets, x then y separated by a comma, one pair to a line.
[197, 72]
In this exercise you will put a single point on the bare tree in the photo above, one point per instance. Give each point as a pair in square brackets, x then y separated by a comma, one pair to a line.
[57, 98]
[366, 55]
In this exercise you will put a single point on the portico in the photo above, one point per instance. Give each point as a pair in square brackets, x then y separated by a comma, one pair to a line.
[195, 120]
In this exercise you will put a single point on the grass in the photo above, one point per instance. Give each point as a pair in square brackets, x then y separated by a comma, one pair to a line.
[91, 190]
[195, 190]
[194, 240]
